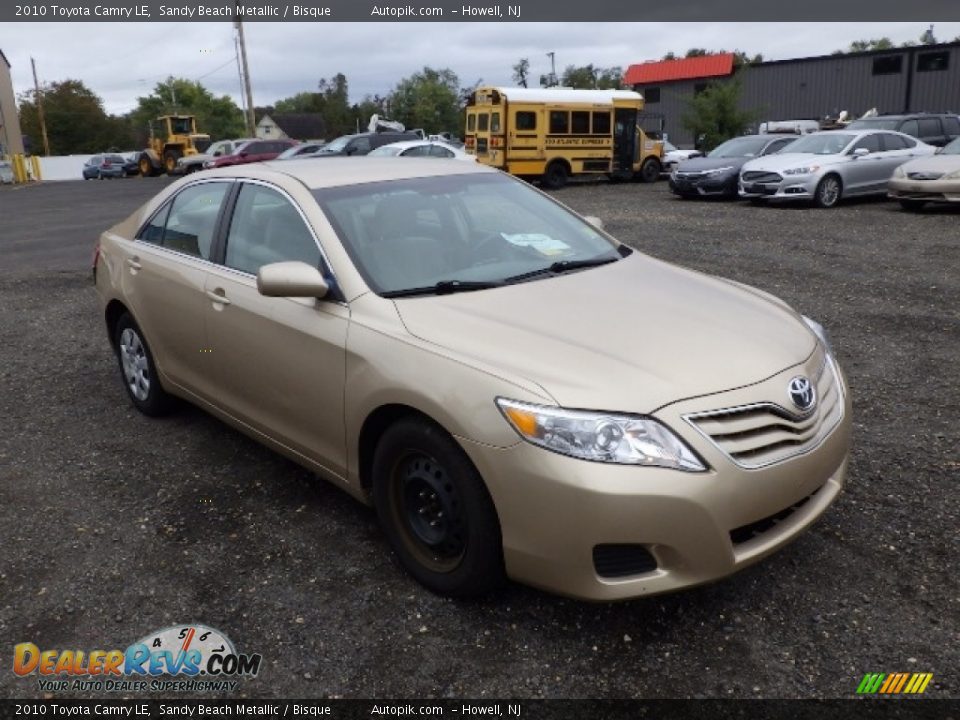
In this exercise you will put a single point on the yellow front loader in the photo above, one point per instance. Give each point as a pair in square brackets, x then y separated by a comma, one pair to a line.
[179, 140]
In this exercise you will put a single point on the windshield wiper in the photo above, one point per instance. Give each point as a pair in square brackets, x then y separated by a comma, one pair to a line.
[561, 266]
[444, 287]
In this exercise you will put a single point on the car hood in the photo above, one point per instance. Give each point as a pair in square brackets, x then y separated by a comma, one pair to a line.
[700, 164]
[784, 161]
[933, 164]
[631, 336]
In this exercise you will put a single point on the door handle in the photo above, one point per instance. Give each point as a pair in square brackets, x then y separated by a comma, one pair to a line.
[134, 263]
[218, 297]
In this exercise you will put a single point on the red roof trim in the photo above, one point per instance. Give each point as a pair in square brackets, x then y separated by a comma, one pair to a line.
[659, 71]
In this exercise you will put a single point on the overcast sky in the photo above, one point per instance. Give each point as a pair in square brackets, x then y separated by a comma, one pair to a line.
[121, 61]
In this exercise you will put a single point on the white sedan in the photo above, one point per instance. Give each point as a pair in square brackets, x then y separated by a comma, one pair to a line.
[422, 148]
[673, 156]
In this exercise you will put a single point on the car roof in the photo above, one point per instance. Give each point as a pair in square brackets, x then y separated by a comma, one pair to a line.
[337, 171]
[404, 144]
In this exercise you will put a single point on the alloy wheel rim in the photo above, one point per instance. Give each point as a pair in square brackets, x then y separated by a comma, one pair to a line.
[830, 191]
[136, 367]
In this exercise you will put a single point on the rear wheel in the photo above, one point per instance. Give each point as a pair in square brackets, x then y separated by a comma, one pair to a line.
[650, 170]
[556, 175]
[170, 157]
[912, 205]
[436, 511]
[828, 192]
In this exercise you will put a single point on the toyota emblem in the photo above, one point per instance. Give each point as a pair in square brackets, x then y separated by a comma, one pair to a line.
[802, 393]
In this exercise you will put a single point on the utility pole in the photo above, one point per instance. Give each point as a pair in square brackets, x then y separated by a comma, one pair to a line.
[39, 98]
[251, 120]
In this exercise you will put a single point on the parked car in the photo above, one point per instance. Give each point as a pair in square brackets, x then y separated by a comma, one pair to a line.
[131, 165]
[341, 302]
[104, 166]
[422, 148]
[251, 152]
[828, 166]
[307, 149]
[362, 143]
[928, 179]
[716, 174]
[932, 128]
[6, 173]
[191, 163]
[673, 155]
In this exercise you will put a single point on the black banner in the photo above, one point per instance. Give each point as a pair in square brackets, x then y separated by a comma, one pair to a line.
[854, 709]
[460, 11]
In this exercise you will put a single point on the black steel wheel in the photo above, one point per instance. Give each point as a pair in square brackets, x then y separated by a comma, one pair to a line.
[650, 170]
[436, 511]
[556, 175]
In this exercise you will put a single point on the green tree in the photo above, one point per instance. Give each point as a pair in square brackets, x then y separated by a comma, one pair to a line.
[883, 43]
[429, 99]
[520, 72]
[303, 102]
[697, 52]
[75, 118]
[715, 116]
[217, 116]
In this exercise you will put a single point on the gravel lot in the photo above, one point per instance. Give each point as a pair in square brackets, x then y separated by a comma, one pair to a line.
[113, 525]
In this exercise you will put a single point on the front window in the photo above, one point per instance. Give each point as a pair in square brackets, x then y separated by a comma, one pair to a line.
[874, 124]
[825, 144]
[337, 145]
[473, 228]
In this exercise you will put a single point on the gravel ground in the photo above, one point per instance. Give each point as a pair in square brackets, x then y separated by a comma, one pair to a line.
[113, 525]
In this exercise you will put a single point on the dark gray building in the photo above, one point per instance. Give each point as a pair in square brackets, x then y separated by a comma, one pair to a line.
[913, 79]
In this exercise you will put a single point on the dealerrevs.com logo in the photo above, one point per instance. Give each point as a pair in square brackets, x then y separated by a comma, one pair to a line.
[181, 658]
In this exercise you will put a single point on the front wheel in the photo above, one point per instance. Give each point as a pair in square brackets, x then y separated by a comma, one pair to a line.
[912, 205]
[138, 369]
[828, 192]
[650, 170]
[436, 511]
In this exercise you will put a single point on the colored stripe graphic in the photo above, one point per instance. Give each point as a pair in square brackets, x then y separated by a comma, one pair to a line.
[894, 683]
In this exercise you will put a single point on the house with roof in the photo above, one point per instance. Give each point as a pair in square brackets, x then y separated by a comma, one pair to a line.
[11, 139]
[297, 126]
[911, 79]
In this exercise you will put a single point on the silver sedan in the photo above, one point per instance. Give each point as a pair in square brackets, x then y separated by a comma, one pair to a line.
[827, 166]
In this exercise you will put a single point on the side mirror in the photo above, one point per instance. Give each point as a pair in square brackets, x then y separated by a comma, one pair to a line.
[860, 152]
[594, 220]
[291, 279]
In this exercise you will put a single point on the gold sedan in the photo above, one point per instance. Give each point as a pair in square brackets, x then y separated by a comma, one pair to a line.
[514, 391]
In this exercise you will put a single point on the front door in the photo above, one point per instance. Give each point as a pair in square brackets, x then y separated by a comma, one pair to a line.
[624, 139]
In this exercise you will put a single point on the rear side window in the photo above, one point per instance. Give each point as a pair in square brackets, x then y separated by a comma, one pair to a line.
[870, 142]
[266, 228]
[893, 142]
[951, 125]
[930, 127]
[526, 120]
[601, 123]
[187, 223]
[580, 122]
[559, 122]
[910, 127]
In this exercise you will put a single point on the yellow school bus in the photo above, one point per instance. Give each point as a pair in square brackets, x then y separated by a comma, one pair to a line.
[552, 133]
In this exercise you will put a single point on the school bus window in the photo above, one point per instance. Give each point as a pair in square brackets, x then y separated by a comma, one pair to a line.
[483, 121]
[559, 122]
[601, 123]
[526, 120]
[495, 122]
[471, 122]
[580, 122]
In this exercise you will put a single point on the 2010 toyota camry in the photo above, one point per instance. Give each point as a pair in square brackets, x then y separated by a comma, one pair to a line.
[514, 391]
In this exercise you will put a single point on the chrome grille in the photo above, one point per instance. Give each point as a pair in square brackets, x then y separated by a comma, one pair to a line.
[754, 436]
[754, 176]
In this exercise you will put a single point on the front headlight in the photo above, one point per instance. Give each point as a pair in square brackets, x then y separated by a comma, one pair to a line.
[602, 437]
[719, 171]
[808, 170]
[955, 175]
[899, 172]
[820, 332]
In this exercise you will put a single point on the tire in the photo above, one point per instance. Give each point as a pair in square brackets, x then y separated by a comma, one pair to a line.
[145, 165]
[650, 170]
[170, 157]
[436, 511]
[137, 369]
[912, 205]
[556, 176]
[829, 192]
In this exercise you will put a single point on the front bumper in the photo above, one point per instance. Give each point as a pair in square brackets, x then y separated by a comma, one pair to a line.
[800, 188]
[704, 186]
[698, 527]
[926, 190]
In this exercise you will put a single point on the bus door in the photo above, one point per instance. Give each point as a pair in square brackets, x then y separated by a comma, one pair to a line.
[624, 138]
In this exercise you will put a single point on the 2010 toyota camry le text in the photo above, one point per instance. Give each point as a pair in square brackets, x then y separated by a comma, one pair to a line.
[515, 392]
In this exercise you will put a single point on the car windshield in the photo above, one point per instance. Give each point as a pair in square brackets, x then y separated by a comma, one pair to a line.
[821, 144]
[453, 232]
[739, 147]
[115, 159]
[336, 145]
[385, 151]
[951, 148]
[874, 124]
